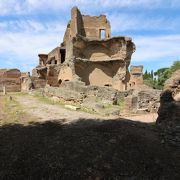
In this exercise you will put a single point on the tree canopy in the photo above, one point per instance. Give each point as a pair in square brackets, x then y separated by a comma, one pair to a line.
[157, 79]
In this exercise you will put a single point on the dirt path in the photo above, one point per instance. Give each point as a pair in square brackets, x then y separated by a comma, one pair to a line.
[44, 112]
[147, 118]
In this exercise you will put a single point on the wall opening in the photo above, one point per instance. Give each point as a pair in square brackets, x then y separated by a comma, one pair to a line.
[102, 34]
[60, 81]
[63, 55]
[108, 85]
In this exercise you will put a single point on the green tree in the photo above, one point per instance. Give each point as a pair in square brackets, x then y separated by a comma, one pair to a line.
[158, 78]
[162, 75]
[175, 66]
[145, 75]
[152, 75]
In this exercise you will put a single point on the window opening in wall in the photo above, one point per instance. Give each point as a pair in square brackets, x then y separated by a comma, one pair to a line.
[102, 34]
[63, 55]
[55, 62]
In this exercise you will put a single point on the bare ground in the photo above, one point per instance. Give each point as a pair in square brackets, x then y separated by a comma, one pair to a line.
[45, 112]
[58, 143]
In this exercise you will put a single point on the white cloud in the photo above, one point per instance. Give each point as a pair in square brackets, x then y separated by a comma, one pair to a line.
[22, 46]
[32, 26]
[6, 7]
[121, 22]
[156, 48]
[31, 6]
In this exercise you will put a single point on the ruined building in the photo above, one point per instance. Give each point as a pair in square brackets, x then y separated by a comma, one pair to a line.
[88, 54]
[10, 79]
[136, 77]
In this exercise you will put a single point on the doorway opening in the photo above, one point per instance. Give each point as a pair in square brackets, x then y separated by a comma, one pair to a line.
[63, 55]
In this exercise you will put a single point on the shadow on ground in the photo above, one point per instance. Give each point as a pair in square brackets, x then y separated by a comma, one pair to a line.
[86, 149]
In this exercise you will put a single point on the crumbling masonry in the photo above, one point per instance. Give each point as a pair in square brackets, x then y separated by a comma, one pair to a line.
[88, 54]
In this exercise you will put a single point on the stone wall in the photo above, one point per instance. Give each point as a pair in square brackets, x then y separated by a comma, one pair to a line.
[100, 74]
[104, 99]
[10, 78]
[87, 26]
[136, 77]
[169, 111]
[77, 91]
[101, 63]
[52, 76]
[99, 23]
[29, 83]
[85, 56]
[54, 57]
[173, 84]
[142, 101]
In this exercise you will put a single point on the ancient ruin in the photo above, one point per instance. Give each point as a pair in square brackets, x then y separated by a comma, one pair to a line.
[90, 68]
[136, 77]
[88, 54]
[169, 111]
[10, 80]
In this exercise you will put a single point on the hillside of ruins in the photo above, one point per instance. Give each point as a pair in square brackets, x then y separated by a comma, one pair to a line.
[86, 112]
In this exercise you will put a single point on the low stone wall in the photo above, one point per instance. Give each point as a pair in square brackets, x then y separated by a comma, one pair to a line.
[104, 100]
[142, 101]
[149, 99]
[77, 91]
[29, 83]
[94, 97]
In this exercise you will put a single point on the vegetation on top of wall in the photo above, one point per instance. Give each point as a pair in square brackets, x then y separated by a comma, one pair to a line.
[157, 79]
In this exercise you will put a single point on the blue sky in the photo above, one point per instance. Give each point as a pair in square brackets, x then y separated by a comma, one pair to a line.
[29, 27]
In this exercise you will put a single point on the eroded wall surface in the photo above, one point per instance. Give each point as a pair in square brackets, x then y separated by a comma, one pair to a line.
[169, 111]
[136, 77]
[92, 27]
[10, 79]
[100, 62]
[88, 54]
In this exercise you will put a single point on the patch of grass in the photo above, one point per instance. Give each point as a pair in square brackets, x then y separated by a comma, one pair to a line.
[61, 102]
[12, 111]
[120, 103]
[21, 93]
[48, 100]
[87, 110]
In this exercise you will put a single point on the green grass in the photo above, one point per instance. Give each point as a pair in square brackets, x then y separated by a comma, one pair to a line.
[120, 103]
[48, 100]
[12, 111]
